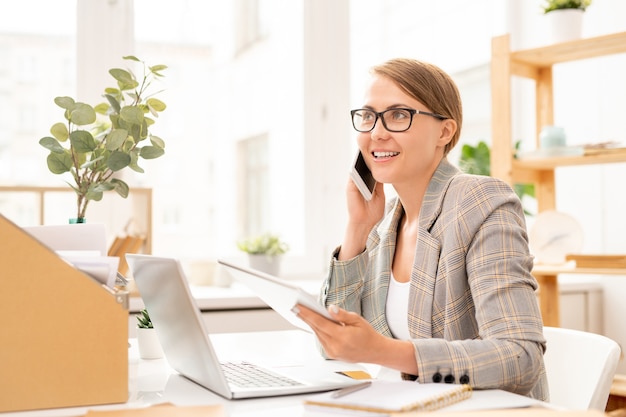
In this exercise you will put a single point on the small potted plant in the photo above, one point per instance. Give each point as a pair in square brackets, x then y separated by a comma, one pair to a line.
[92, 144]
[551, 5]
[147, 340]
[566, 18]
[264, 252]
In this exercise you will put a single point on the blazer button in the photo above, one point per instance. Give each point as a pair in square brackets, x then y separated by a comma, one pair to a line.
[437, 377]
[464, 379]
[449, 379]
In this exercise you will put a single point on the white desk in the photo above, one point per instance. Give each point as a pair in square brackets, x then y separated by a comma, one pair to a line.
[153, 381]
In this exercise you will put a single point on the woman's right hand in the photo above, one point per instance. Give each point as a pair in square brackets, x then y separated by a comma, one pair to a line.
[362, 216]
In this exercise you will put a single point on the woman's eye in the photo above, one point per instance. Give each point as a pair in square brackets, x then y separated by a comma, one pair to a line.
[368, 116]
[399, 114]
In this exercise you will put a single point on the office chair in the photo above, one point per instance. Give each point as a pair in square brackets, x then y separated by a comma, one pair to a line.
[580, 367]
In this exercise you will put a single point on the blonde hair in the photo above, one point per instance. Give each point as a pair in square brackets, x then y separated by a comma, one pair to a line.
[429, 85]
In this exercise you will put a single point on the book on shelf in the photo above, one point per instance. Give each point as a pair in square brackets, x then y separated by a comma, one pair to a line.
[384, 398]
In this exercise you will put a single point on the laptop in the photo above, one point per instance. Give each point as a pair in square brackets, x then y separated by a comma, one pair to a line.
[187, 346]
[277, 293]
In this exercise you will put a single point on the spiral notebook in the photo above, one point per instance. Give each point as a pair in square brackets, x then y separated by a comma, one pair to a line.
[384, 397]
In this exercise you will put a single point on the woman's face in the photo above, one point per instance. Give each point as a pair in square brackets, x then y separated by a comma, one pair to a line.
[402, 157]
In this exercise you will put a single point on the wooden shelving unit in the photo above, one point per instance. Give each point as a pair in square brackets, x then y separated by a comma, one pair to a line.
[140, 213]
[537, 64]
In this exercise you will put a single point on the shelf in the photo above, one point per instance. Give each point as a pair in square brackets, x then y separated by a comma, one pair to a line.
[571, 51]
[547, 270]
[112, 210]
[554, 162]
[537, 64]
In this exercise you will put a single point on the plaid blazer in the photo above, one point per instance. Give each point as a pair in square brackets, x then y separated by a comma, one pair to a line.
[473, 312]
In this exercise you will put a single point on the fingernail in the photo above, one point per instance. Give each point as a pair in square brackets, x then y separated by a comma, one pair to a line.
[295, 310]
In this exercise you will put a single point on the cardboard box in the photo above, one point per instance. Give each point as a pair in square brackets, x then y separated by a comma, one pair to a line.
[63, 335]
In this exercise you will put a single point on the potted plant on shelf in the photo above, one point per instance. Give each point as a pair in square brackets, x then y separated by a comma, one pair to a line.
[95, 143]
[264, 252]
[147, 340]
[566, 18]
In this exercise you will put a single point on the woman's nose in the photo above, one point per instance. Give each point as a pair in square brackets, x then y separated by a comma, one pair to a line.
[379, 132]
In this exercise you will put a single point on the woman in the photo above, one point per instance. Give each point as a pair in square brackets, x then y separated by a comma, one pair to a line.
[436, 284]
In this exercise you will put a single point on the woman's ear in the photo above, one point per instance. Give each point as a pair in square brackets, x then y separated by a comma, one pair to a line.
[448, 129]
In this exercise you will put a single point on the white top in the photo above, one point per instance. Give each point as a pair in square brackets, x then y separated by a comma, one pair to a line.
[397, 308]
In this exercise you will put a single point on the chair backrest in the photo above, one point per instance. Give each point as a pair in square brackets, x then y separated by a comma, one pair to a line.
[580, 367]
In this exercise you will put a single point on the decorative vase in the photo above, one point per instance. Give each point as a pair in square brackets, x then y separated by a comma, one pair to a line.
[552, 137]
[268, 264]
[566, 24]
[148, 343]
[77, 220]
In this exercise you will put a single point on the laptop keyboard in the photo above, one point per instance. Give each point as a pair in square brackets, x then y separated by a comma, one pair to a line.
[248, 375]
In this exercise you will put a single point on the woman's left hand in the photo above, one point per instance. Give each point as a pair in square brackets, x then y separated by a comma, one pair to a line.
[353, 339]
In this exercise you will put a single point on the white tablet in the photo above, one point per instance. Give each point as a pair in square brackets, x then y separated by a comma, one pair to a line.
[279, 294]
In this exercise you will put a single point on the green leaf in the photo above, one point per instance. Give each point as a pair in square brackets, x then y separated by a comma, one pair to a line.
[115, 139]
[131, 58]
[82, 141]
[143, 320]
[102, 108]
[103, 187]
[136, 168]
[65, 102]
[93, 194]
[134, 159]
[92, 162]
[476, 160]
[60, 132]
[113, 102]
[156, 104]
[59, 163]
[151, 152]
[157, 141]
[118, 160]
[156, 69]
[82, 114]
[124, 78]
[132, 114]
[51, 144]
[120, 187]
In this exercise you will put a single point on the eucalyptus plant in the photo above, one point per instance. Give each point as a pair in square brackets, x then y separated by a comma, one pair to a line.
[94, 143]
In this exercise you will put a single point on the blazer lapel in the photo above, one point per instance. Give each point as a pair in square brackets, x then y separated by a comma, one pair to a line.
[427, 251]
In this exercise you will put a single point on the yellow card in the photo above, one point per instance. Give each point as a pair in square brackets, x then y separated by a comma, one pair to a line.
[356, 374]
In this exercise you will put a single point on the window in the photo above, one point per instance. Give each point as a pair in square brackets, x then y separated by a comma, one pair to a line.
[253, 201]
[252, 17]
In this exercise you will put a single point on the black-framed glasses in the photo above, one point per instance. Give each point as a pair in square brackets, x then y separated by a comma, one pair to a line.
[394, 120]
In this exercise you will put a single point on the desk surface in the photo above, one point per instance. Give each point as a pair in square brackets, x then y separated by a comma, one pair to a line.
[153, 381]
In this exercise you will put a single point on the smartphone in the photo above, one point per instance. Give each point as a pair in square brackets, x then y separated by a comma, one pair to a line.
[362, 177]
